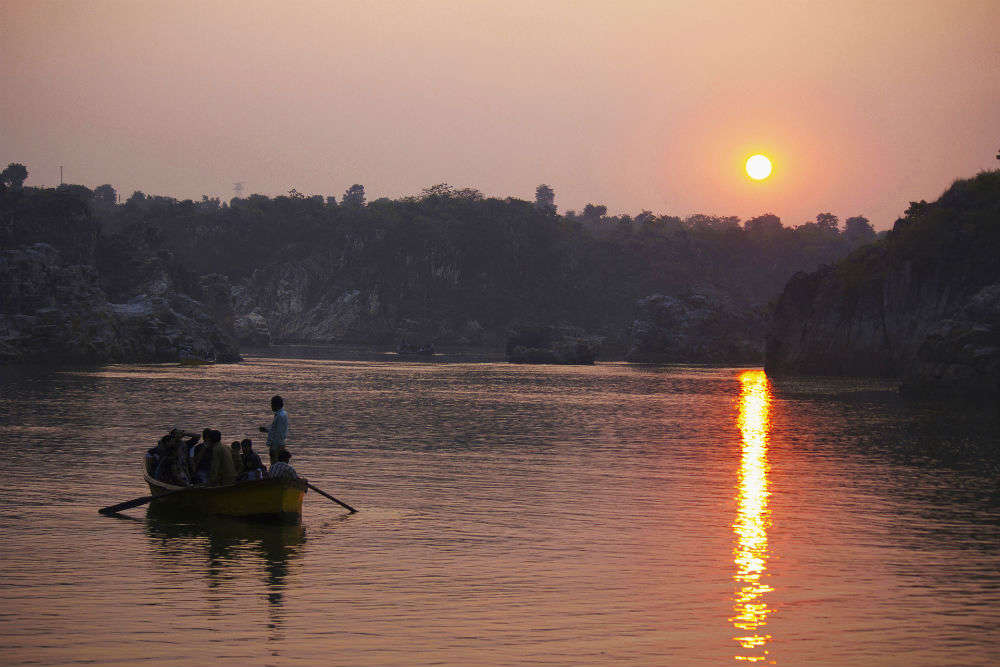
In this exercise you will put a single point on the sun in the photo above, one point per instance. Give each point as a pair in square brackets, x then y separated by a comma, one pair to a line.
[758, 167]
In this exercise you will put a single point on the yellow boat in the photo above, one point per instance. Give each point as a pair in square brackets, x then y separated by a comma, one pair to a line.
[260, 500]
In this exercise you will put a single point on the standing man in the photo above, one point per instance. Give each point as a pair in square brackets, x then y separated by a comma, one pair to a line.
[277, 432]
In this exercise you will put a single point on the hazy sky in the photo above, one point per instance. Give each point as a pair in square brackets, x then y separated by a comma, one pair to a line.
[862, 106]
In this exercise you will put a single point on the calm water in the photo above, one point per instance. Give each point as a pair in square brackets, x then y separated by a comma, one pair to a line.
[510, 515]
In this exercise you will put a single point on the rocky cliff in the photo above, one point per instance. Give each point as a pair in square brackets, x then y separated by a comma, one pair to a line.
[314, 300]
[922, 305]
[71, 294]
[57, 312]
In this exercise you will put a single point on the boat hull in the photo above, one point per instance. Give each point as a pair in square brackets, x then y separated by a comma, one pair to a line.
[277, 500]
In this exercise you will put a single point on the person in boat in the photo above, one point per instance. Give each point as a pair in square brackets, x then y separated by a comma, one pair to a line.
[174, 466]
[236, 452]
[281, 469]
[251, 464]
[277, 432]
[200, 459]
[222, 470]
[155, 455]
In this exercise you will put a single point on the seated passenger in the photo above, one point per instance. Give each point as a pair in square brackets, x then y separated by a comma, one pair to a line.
[184, 453]
[221, 469]
[201, 459]
[155, 455]
[251, 465]
[173, 468]
[234, 450]
[280, 469]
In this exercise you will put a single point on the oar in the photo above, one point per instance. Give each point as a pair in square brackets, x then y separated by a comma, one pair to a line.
[324, 493]
[129, 504]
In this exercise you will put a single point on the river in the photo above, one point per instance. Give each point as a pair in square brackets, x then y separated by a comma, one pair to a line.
[509, 515]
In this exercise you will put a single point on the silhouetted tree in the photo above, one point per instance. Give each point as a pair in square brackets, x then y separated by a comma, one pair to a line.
[545, 199]
[137, 198]
[105, 194]
[828, 222]
[468, 194]
[14, 176]
[768, 223]
[859, 231]
[209, 204]
[354, 196]
[437, 190]
[592, 212]
[712, 222]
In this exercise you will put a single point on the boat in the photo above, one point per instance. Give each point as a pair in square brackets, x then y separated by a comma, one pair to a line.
[405, 349]
[277, 500]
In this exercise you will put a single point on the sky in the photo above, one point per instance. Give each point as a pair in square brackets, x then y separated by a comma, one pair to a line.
[861, 106]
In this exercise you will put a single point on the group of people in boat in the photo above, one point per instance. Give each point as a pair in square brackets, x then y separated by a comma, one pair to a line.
[188, 459]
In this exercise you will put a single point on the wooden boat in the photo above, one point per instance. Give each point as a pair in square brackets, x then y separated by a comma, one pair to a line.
[259, 500]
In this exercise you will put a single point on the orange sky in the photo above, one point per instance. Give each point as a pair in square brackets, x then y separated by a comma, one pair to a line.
[862, 106]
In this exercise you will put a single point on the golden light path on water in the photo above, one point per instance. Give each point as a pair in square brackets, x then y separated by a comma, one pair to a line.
[752, 520]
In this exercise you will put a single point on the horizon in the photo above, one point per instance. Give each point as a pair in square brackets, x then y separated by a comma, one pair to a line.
[646, 107]
[122, 197]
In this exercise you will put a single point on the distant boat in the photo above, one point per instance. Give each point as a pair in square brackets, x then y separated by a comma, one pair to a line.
[406, 349]
[277, 500]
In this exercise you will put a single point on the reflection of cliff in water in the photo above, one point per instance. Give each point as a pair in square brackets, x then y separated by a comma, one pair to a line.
[229, 545]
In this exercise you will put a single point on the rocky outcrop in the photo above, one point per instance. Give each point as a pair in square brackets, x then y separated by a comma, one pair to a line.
[695, 328]
[551, 345]
[960, 354]
[252, 330]
[296, 302]
[923, 305]
[57, 313]
[217, 295]
[917, 326]
[311, 301]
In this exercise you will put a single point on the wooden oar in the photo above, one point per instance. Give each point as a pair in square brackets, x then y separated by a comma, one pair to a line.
[324, 493]
[129, 504]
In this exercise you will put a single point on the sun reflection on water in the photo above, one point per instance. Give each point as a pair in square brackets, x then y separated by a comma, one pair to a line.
[752, 520]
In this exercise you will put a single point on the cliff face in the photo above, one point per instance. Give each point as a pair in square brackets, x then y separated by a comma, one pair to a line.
[923, 305]
[314, 300]
[54, 312]
[302, 302]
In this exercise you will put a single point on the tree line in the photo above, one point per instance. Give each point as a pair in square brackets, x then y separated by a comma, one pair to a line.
[449, 253]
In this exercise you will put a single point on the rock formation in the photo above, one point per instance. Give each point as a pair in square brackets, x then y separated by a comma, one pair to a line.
[695, 329]
[57, 313]
[551, 345]
[923, 305]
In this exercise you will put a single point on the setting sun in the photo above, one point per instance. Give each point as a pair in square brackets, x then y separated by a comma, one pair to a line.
[758, 167]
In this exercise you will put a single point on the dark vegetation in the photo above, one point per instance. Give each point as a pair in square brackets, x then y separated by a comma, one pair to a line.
[72, 293]
[960, 232]
[922, 304]
[447, 256]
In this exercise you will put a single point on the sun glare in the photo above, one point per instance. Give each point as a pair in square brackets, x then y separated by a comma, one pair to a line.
[752, 520]
[758, 167]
